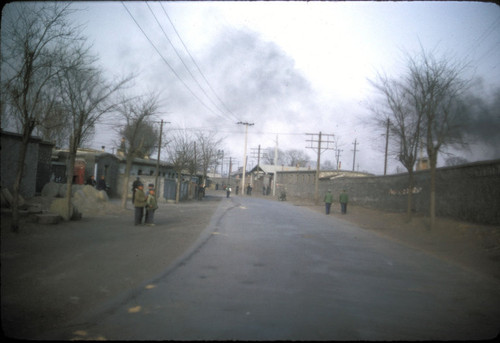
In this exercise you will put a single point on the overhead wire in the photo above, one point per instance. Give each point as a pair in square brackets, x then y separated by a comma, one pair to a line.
[168, 64]
[197, 66]
[182, 60]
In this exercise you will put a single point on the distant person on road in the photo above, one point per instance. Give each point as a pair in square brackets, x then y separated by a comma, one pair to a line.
[135, 184]
[343, 199]
[328, 201]
[228, 191]
[151, 207]
[139, 204]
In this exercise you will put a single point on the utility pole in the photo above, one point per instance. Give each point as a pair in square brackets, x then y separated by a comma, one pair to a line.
[275, 176]
[244, 156]
[337, 155]
[328, 139]
[256, 151]
[354, 158]
[386, 145]
[229, 174]
[158, 158]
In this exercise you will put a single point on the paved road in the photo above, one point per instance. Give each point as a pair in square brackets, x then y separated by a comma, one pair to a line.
[266, 270]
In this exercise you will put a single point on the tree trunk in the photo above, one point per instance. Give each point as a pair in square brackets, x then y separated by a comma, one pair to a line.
[410, 195]
[126, 177]
[17, 183]
[178, 192]
[432, 209]
[69, 182]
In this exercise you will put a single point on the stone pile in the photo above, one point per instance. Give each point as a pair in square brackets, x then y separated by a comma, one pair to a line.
[85, 200]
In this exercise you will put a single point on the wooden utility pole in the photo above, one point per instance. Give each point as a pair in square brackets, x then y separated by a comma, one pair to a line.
[322, 138]
[158, 159]
[354, 158]
[338, 151]
[229, 174]
[244, 156]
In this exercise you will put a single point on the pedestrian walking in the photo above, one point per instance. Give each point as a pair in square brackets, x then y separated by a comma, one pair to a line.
[343, 199]
[328, 201]
[139, 204]
[151, 207]
[228, 191]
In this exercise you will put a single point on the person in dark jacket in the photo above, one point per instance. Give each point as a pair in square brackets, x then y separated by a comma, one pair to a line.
[101, 184]
[91, 181]
[139, 204]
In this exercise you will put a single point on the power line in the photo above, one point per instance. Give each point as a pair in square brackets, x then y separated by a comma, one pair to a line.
[166, 62]
[182, 60]
[196, 64]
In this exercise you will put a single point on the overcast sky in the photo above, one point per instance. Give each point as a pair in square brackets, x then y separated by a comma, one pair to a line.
[290, 68]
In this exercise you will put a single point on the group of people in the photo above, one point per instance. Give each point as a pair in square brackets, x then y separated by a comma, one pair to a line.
[144, 201]
[343, 199]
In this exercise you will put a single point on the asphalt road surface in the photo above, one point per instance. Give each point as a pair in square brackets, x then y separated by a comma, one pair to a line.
[267, 270]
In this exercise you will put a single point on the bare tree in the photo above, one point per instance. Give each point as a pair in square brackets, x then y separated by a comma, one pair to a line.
[34, 37]
[438, 89]
[86, 96]
[398, 112]
[268, 156]
[180, 155]
[209, 145]
[139, 136]
[296, 158]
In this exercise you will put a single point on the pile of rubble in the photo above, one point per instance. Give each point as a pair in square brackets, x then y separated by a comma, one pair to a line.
[51, 207]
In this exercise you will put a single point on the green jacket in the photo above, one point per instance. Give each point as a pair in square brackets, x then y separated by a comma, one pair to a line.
[140, 198]
[151, 202]
[329, 197]
[343, 198]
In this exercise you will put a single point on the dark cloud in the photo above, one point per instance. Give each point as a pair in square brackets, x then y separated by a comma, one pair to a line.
[483, 125]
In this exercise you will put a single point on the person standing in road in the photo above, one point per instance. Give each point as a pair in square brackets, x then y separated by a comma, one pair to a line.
[328, 201]
[151, 207]
[228, 191]
[136, 183]
[343, 199]
[139, 204]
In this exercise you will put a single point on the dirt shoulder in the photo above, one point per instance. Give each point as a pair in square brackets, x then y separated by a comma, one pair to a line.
[473, 246]
[52, 274]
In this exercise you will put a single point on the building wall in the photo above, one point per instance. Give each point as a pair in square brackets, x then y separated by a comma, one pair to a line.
[469, 192]
[44, 166]
[37, 155]
[108, 165]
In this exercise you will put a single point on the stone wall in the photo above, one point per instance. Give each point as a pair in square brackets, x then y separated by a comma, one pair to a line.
[469, 192]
